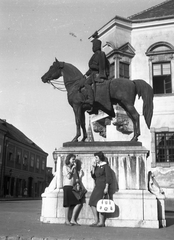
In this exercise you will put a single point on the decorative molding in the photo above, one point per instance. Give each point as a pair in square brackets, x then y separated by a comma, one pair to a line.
[99, 128]
[125, 50]
[122, 123]
[163, 57]
[169, 49]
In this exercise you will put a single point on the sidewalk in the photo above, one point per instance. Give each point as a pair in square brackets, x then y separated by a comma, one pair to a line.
[20, 220]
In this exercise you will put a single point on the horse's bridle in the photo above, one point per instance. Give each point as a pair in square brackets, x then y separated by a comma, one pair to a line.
[58, 82]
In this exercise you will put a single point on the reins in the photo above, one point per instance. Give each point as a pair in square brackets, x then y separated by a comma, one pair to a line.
[59, 83]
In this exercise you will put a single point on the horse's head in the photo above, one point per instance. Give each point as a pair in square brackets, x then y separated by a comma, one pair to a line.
[54, 72]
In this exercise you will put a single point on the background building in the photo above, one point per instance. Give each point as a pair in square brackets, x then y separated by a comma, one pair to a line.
[49, 175]
[22, 164]
[142, 47]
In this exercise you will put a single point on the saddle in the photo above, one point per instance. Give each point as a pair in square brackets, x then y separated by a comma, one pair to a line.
[101, 89]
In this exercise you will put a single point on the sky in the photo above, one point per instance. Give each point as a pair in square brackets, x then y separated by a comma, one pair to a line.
[32, 34]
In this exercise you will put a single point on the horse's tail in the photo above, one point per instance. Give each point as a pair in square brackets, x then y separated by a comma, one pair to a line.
[145, 91]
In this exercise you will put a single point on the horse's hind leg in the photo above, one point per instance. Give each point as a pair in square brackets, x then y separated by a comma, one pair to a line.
[134, 116]
[83, 126]
[136, 124]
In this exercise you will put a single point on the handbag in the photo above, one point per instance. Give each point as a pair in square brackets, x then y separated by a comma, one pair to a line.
[105, 205]
[79, 190]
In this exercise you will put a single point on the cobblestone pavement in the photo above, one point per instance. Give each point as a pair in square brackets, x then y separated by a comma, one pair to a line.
[20, 220]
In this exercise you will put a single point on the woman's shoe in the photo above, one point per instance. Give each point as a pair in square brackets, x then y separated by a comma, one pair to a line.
[75, 224]
[93, 225]
[69, 224]
[100, 225]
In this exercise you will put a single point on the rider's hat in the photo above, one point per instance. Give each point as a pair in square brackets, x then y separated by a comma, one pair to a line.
[96, 45]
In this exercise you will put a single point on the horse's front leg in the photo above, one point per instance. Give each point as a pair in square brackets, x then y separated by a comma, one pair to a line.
[83, 126]
[77, 113]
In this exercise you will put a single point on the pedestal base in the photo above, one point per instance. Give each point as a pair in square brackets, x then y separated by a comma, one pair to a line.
[134, 208]
[135, 205]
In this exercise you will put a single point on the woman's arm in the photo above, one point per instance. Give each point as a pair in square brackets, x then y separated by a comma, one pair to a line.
[70, 171]
[106, 188]
[93, 172]
[93, 169]
[108, 175]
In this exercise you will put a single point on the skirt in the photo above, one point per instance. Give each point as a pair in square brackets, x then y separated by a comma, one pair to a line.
[96, 195]
[68, 197]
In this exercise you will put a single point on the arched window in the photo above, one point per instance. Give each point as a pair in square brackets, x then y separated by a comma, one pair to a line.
[160, 57]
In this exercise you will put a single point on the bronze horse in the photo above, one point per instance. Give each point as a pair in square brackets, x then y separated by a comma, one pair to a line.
[122, 91]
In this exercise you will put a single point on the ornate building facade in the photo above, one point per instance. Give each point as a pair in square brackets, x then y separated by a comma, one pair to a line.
[142, 47]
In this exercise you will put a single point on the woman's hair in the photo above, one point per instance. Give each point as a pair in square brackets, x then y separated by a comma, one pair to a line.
[100, 155]
[68, 157]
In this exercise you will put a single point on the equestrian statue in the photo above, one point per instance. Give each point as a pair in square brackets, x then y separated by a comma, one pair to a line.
[93, 91]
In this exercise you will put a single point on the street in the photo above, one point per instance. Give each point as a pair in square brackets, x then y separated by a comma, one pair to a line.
[22, 218]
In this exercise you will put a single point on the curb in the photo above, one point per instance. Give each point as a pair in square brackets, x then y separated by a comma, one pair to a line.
[37, 238]
[19, 199]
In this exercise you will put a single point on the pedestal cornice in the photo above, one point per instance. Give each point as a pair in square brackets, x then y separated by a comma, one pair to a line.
[116, 147]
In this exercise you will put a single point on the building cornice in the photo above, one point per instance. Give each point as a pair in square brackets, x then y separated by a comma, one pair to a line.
[116, 21]
[129, 24]
[152, 23]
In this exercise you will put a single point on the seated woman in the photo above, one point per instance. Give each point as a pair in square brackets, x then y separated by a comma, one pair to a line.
[101, 173]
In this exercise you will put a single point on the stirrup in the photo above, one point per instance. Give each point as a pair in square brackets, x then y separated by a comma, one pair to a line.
[90, 110]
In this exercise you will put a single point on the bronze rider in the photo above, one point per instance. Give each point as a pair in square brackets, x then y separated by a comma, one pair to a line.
[98, 70]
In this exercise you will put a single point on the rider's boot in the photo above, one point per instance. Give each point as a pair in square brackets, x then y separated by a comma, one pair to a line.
[90, 99]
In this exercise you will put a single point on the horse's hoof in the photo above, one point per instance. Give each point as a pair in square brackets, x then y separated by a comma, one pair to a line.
[83, 139]
[74, 140]
[134, 139]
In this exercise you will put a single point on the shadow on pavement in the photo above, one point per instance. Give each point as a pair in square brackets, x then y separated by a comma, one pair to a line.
[169, 218]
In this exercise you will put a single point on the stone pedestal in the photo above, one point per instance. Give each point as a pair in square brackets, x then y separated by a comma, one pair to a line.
[135, 205]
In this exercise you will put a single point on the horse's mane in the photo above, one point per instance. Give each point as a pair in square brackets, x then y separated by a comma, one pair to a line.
[72, 70]
[71, 75]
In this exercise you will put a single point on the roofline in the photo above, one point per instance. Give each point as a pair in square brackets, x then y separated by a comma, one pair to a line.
[152, 19]
[7, 134]
[157, 5]
[37, 148]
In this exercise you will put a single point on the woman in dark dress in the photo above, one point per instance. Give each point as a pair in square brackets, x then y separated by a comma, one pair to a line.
[101, 173]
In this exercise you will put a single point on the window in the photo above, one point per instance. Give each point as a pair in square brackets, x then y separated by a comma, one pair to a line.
[112, 71]
[25, 160]
[10, 156]
[43, 165]
[161, 78]
[160, 56]
[18, 157]
[32, 161]
[37, 163]
[10, 153]
[164, 144]
[124, 70]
